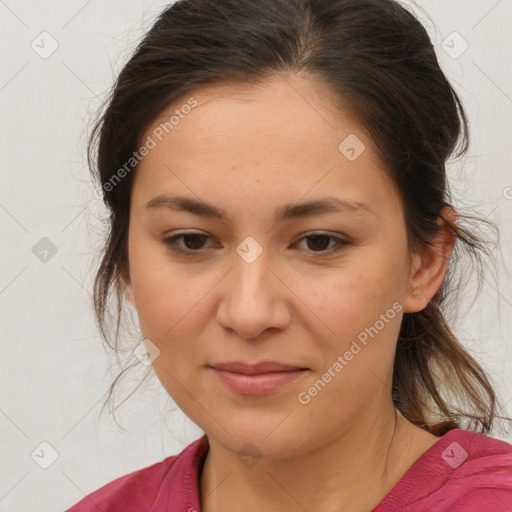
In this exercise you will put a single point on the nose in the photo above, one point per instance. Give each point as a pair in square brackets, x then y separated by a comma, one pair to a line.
[254, 298]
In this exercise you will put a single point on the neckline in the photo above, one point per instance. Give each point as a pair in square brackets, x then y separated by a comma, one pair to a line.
[430, 462]
[400, 490]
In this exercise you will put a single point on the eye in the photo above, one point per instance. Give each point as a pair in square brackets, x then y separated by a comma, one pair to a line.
[192, 243]
[319, 243]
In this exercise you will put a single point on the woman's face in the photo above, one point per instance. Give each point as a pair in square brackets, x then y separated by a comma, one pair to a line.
[318, 292]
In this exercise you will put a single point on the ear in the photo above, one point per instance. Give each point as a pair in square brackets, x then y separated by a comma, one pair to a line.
[429, 264]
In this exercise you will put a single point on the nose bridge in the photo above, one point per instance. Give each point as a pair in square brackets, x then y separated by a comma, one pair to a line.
[252, 300]
[251, 272]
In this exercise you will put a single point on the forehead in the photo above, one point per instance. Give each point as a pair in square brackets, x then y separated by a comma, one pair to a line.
[279, 137]
[302, 105]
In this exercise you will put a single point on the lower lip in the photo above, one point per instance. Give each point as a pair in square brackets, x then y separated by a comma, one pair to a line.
[259, 384]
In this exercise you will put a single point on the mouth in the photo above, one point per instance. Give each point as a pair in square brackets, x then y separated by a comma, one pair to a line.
[257, 379]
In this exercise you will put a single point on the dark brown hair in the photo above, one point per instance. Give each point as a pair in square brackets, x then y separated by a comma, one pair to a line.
[377, 59]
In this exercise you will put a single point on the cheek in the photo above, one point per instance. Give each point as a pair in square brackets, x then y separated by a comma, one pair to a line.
[356, 296]
[170, 305]
[172, 315]
[361, 305]
[363, 313]
[168, 298]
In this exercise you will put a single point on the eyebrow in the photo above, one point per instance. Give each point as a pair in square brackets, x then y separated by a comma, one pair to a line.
[288, 211]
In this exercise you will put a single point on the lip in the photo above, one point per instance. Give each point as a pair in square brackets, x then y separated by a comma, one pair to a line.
[257, 379]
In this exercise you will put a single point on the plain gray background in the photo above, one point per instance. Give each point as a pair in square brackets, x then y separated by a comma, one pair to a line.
[54, 370]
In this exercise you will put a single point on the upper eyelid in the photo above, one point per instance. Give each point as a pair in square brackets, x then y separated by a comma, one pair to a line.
[302, 235]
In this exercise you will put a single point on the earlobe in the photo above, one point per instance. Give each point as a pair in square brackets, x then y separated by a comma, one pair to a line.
[130, 295]
[428, 267]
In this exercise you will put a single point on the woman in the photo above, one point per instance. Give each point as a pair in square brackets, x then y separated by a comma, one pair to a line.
[239, 136]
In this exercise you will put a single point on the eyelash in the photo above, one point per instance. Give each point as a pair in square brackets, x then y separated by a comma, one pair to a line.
[171, 243]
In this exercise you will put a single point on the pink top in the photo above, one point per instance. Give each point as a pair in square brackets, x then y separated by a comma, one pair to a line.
[463, 472]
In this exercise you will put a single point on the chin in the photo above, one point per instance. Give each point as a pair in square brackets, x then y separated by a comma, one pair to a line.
[258, 438]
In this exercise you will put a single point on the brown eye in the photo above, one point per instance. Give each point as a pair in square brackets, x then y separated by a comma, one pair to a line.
[191, 242]
[320, 242]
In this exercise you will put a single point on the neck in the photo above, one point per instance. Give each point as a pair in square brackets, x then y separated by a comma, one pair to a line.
[354, 470]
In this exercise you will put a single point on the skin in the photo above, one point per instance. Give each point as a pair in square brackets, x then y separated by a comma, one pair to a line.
[249, 150]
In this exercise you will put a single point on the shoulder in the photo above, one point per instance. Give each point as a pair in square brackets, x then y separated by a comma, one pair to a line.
[469, 454]
[140, 489]
[136, 488]
[480, 471]
[462, 471]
